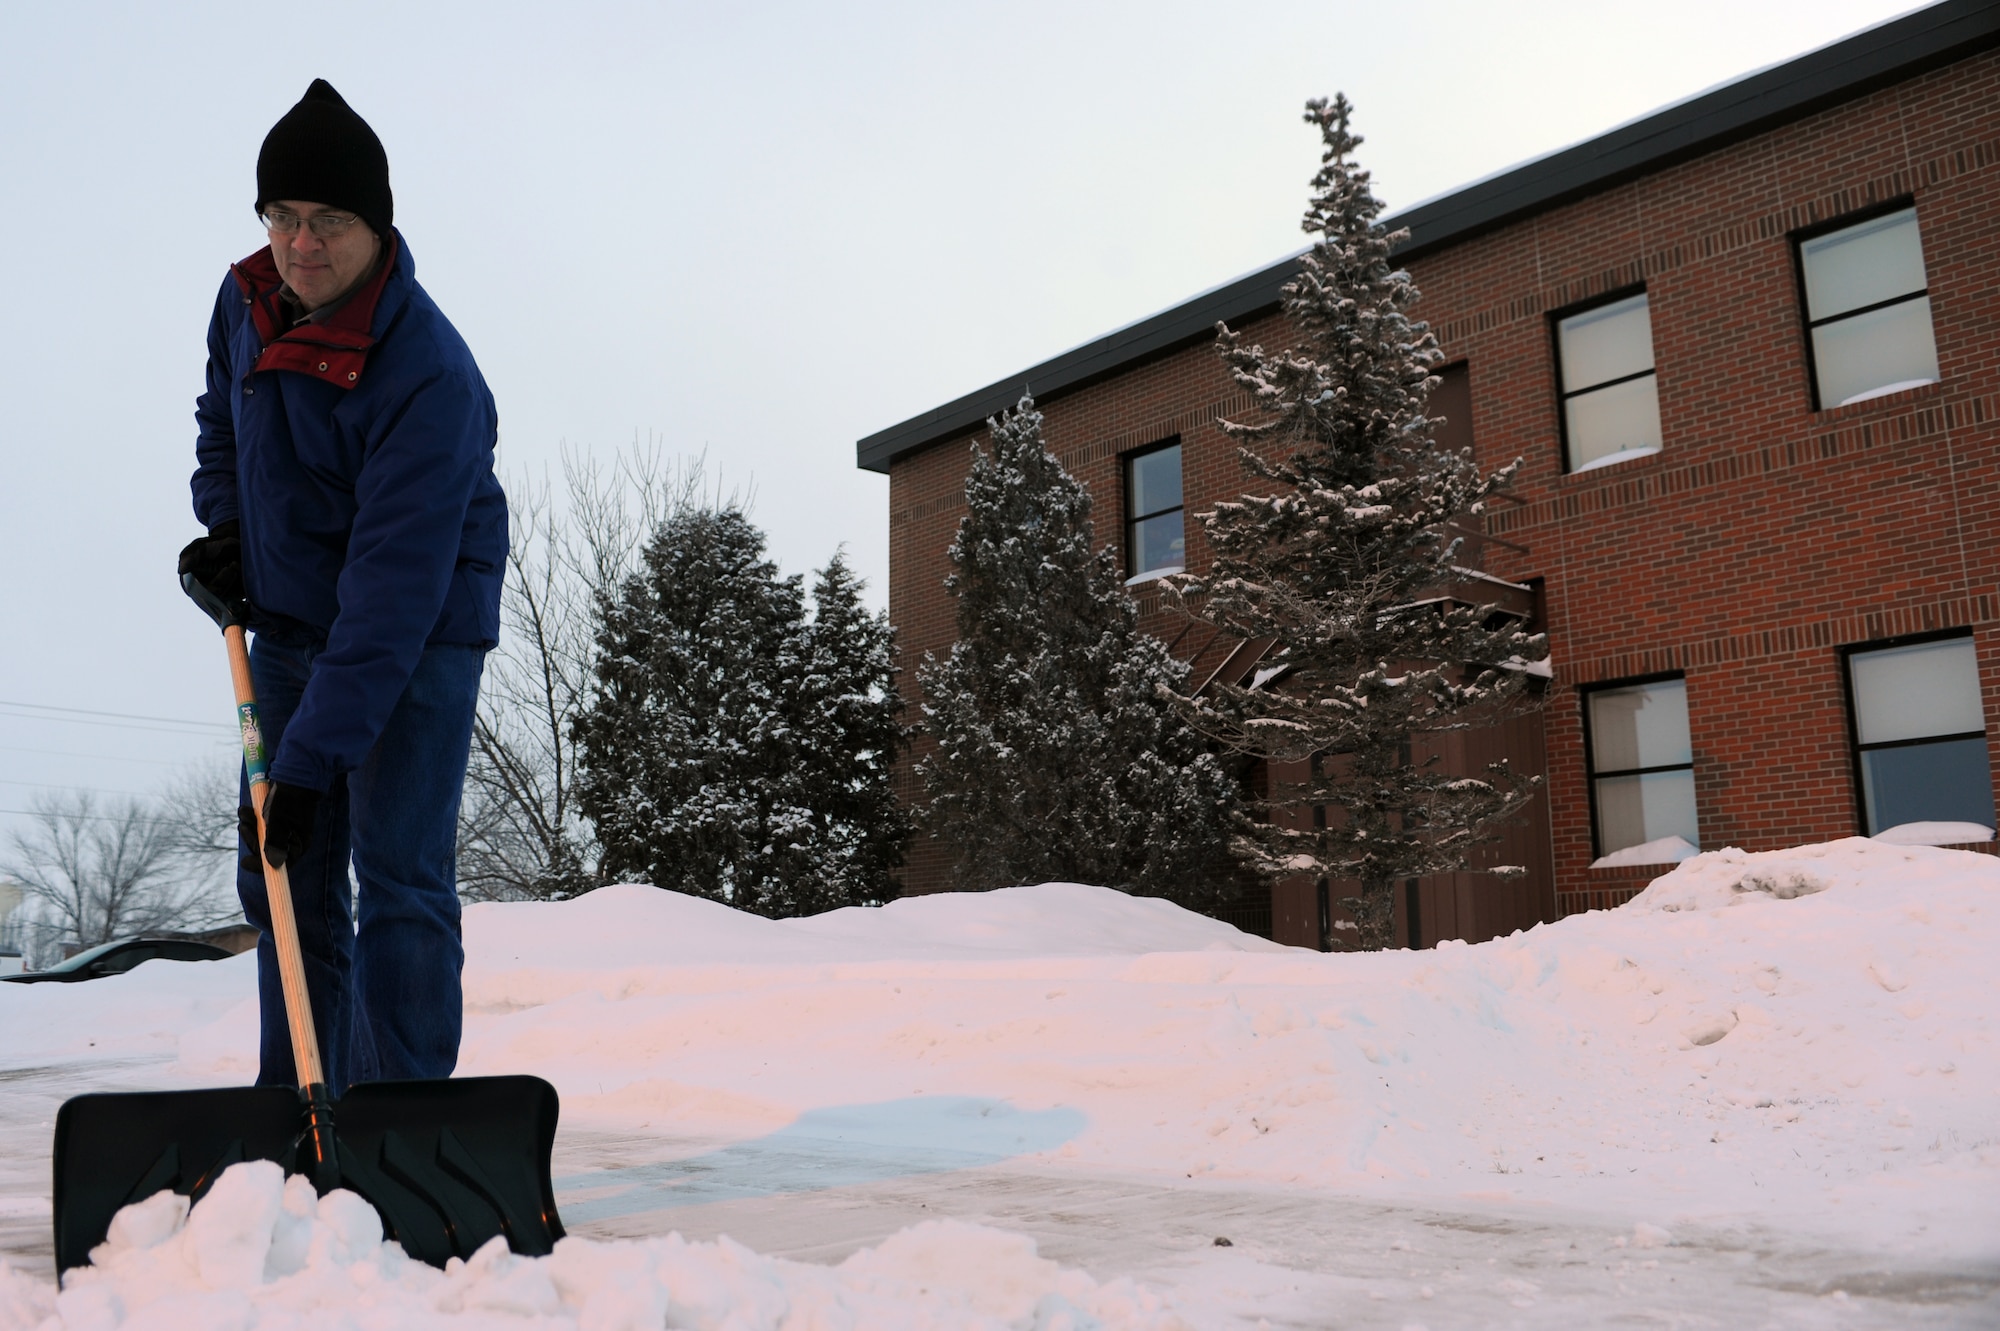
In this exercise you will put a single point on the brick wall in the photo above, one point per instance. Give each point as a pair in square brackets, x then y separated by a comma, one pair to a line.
[1762, 538]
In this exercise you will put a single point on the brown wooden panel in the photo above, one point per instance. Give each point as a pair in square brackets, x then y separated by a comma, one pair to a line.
[1478, 906]
[1452, 400]
[1295, 913]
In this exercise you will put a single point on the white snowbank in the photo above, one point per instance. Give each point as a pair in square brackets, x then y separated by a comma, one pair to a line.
[1935, 834]
[261, 1250]
[615, 927]
[1665, 850]
[1800, 1040]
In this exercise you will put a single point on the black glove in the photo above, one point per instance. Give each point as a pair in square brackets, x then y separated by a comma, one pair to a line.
[288, 822]
[216, 560]
[246, 833]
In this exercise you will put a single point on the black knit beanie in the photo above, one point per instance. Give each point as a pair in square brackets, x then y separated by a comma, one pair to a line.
[321, 152]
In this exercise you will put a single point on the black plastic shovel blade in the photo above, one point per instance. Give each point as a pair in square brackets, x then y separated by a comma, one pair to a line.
[448, 1165]
[113, 1150]
[451, 1164]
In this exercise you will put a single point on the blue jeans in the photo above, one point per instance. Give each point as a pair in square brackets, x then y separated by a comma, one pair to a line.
[384, 981]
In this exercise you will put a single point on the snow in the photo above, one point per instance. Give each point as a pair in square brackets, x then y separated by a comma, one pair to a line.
[1542, 669]
[1935, 834]
[1663, 850]
[1901, 385]
[1475, 575]
[1760, 1050]
[262, 1250]
[1612, 459]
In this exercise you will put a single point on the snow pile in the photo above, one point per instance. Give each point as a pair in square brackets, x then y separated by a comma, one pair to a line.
[619, 928]
[1665, 850]
[262, 1250]
[1726, 1047]
[1798, 1041]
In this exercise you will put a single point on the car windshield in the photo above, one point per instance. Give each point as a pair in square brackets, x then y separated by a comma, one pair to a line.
[84, 958]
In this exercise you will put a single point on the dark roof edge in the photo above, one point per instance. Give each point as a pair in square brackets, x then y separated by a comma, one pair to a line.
[1082, 366]
[1843, 71]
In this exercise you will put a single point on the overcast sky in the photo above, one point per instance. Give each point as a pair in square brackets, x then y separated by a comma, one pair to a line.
[757, 230]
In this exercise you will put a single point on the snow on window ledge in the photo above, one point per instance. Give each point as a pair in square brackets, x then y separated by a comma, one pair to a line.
[1542, 669]
[1266, 674]
[1900, 386]
[1666, 850]
[1474, 575]
[1612, 459]
[1154, 574]
[1934, 834]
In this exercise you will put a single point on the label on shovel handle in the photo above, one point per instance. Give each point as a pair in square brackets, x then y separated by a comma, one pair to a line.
[255, 764]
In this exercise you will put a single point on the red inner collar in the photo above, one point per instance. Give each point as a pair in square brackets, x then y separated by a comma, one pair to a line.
[257, 275]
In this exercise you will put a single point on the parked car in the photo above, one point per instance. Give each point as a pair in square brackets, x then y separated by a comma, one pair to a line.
[121, 955]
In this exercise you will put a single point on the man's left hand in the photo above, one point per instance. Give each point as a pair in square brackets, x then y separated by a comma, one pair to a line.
[288, 822]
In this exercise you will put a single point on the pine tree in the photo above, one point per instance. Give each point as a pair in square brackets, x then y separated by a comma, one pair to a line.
[1059, 755]
[851, 731]
[733, 750]
[1344, 559]
[521, 835]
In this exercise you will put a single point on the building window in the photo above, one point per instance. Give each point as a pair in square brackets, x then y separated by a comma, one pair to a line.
[1641, 767]
[1920, 734]
[1155, 541]
[1610, 398]
[1868, 310]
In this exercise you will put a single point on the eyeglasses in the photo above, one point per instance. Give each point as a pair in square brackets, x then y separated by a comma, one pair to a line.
[324, 225]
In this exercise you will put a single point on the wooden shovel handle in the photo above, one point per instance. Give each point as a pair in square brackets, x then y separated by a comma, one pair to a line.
[277, 884]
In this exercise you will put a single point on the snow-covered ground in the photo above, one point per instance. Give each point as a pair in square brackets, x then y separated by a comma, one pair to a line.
[1766, 1092]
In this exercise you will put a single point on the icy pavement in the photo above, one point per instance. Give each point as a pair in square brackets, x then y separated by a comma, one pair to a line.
[1293, 1259]
[1307, 1258]
[1767, 1093]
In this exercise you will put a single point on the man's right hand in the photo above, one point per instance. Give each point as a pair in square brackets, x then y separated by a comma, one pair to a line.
[216, 560]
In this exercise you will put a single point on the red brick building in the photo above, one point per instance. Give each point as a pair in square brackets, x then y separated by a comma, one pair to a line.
[1749, 350]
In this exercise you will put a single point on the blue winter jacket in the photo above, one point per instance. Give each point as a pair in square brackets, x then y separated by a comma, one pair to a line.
[357, 455]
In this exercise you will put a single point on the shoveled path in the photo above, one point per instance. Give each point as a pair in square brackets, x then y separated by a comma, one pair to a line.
[1293, 1258]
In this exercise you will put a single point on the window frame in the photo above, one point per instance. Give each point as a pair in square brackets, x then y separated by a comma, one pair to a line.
[1132, 519]
[1591, 775]
[1564, 393]
[1855, 748]
[1798, 240]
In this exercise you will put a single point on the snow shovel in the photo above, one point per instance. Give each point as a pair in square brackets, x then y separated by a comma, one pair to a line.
[447, 1164]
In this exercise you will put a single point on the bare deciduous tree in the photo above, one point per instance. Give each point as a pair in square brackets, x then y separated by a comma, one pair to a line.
[199, 806]
[96, 870]
[520, 834]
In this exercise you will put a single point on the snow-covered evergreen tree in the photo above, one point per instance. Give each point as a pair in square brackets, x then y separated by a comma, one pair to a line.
[733, 750]
[1344, 558]
[850, 732]
[1059, 755]
[521, 835]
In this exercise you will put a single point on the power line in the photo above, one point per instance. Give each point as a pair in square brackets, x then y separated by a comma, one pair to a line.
[94, 757]
[101, 817]
[187, 733]
[99, 790]
[116, 716]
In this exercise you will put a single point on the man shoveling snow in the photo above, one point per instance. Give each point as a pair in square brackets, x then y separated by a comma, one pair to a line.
[345, 474]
